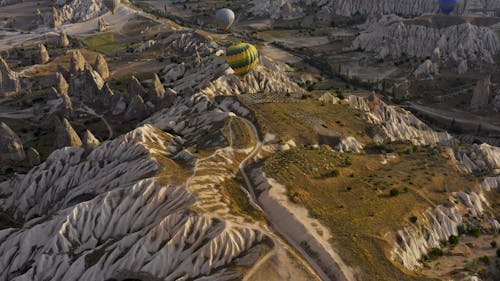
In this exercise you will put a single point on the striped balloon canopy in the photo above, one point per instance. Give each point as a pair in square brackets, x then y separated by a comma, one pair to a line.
[242, 58]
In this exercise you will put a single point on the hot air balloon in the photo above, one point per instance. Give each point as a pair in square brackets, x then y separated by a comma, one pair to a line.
[447, 6]
[242, 58]
[225, 18]
[112, 5]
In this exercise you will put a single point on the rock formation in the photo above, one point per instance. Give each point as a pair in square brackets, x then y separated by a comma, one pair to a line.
[438, 224]
[33, 157]
[61, 85]
[77, 10]
[102, 25]
[135, 88]
[397, 124]
[77, 62]
[101, 66]
[67, 109]
[426, 70]
[43, 55]
[137, 109]
[53, 19]
[349, 144]
[482, 94]
[11, 146]
[157, 91]
[86, 85]
[329, 98]
[9, 82]
[63, 39]
[405, 38]
[90, 141]
[65, 134]
[165, 231]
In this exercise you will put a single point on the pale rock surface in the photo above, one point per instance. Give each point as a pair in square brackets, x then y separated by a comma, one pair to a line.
[43, 55]
[61, 85]
[482, 94]
[80, 10]
[349, 144]
[401, 38]
[158, 90]
[65, 134]
[329, 98]
[143, 228]
[101, 66]
[89, 140]
[482, 158]
[102, 25]
[398, 124]
[11, 146]
[9, 81]
[426, 70]
[436, 225]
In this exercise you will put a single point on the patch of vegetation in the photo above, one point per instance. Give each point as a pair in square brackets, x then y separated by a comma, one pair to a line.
[453, 240]
[107, 43]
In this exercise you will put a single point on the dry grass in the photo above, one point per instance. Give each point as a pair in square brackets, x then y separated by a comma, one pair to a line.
[356, 205]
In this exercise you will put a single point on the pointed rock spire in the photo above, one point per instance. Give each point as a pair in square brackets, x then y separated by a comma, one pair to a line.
[158, 91]
[102, 25]
[137, 109]
[43, 55]
[90, 141]
[135, 88]
[77, 62]
[63, 39]
[11, 147]
[61, 84]
[101, 66]
[54, 18]
[8, 79]
[65, 134]
[33, 157]
[482, 94]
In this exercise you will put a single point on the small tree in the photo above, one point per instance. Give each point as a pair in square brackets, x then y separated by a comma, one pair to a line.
[453, 239]
[493, 244]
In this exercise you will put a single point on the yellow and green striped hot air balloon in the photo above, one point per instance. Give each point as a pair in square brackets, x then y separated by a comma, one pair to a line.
[242, 58]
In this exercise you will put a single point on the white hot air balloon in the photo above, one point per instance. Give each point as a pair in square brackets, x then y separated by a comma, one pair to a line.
[225, 18]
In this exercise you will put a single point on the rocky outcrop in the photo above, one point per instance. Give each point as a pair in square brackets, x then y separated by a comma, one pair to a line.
[349, 144]
[86, 85]
[329, 98]
[79, 10]
[61, 85]
[65, 134]
[11, 146]
[63, 40]
[43, 55]
[426, 70]
[53, 18]
[32, 157]
[465, 211]
[157, 90]
[9, 81]
[67, 109]
[135, 88]
[137, 109]
[102, 25]
[77, 62]
[397, 124]
[456, 43]
[90, 141]
[162, 230]
[482, 158]
[482, 94]
[101, 66]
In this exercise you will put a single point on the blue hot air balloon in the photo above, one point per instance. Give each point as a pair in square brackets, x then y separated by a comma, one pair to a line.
[447, 6]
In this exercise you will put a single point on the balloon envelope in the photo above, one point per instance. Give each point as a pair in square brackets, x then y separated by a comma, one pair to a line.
[225, 18]
[242, 58]
[447, 6]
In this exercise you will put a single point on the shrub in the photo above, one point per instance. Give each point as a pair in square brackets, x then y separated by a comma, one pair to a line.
[493, 244]
[476, 232]
[394, 192]
[453, 239]
[332, 174]
[498, 253]
[436, 252]
[485, 259]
